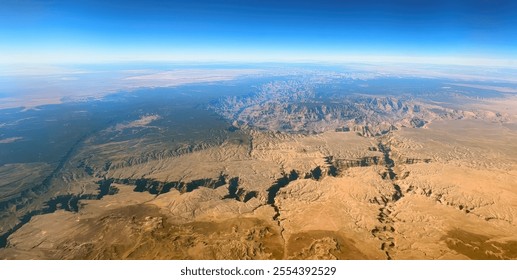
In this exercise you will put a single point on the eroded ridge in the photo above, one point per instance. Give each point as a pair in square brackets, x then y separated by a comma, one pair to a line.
[67, 202]
[386, 228]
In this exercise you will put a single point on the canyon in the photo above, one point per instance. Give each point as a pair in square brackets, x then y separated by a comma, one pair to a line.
[290, 170]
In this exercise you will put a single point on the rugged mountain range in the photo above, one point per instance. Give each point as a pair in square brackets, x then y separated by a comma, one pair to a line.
[299, 107]
[289, 171]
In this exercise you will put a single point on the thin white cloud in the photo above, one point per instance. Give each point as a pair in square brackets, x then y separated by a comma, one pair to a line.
[10, 140]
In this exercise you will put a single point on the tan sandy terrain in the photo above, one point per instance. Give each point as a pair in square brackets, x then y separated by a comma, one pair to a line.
[290, 173]
[444, 192]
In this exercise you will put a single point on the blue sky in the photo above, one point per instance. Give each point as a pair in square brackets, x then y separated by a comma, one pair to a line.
[239, 30]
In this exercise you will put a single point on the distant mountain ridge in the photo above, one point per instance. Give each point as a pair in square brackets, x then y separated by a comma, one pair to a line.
[297, 107]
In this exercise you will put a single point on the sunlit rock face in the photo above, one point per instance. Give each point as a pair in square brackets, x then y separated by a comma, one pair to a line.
[283, 167]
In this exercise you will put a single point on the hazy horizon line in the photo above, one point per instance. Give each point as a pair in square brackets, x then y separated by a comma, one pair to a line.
[328, 60]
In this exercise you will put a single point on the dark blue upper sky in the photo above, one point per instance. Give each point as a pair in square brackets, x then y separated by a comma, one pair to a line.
[97, 31]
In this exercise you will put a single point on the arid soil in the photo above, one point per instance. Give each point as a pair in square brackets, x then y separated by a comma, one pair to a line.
[418, 182]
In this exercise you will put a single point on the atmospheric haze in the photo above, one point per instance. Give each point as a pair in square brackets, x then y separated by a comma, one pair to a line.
[258, 130]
